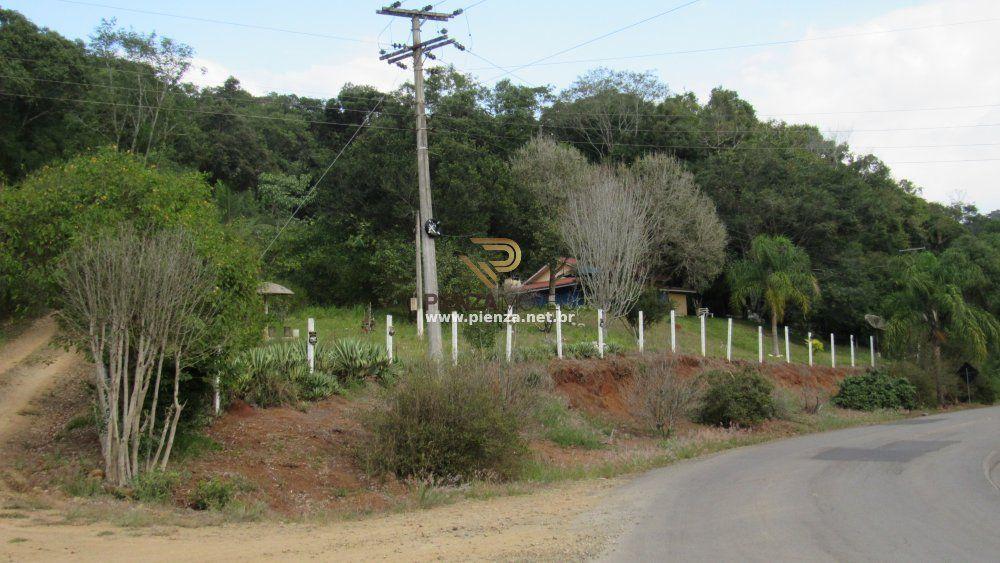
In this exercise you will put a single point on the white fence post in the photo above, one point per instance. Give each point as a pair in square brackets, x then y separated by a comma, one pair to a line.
[852, 350]
[420, 321]
[642, 340]
[871, 347]
[510, 331]
[217, 400]
[673, 331]
[809, 337]
[311, 344]
[703, 335]
[558, 332]
[389, 332]
[833, 351]
[788, 347]
[600, 332]
[729, 341]
[760, 344]
[454, 337]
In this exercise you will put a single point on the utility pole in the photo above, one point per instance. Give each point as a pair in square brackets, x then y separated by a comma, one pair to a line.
[420, 276]
[418, 51]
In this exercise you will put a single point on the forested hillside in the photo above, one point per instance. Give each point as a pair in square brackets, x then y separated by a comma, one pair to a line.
[351, 240]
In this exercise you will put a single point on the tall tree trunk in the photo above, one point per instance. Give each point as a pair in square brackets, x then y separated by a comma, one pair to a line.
[774, 334]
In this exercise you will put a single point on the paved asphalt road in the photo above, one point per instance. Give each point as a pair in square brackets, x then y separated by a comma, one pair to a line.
[924, 489]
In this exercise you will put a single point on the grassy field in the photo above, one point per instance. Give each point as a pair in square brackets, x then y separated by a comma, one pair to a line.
[335, 323]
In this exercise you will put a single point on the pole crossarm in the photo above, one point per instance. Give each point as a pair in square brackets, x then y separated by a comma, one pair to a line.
[424, 15]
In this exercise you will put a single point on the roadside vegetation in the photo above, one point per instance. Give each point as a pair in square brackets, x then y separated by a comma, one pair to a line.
[148, 231]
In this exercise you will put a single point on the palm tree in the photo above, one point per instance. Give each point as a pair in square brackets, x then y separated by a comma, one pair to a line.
[929, 308]
[775, 273]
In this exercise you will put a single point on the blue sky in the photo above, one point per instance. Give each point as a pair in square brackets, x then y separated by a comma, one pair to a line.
[934, 66]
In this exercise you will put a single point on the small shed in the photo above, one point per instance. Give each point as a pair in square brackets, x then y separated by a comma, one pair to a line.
[678, 298]
[267, 289]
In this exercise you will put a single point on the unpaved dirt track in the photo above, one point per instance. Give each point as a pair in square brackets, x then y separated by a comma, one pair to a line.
[558, 524]
[922, 489]
[19, 382]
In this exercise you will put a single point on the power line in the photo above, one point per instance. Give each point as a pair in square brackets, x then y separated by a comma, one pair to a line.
[217, 21]
[598, 38]
[203, 112]
[323, 122]
[323, 175]
[758, 44]
[267, 98]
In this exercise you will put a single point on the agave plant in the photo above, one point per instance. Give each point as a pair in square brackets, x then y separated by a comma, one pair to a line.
[277, 374]
[355, 360]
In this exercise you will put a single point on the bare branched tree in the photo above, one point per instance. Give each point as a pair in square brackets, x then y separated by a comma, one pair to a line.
[609, 229]
[660, 396]
[138, 305]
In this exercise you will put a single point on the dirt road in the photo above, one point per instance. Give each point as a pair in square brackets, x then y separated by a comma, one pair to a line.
[27, 366]
[556, 524]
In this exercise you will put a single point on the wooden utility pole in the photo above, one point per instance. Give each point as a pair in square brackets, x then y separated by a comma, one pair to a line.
[420, 277]
[418, 51]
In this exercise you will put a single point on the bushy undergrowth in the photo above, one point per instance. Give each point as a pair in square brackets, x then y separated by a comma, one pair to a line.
[586, 350]
[216, 493]
[277, 374]
[876, 390]
[661, 397]
[155, 486]
[456, 424]
[560, 426]
[742, 398]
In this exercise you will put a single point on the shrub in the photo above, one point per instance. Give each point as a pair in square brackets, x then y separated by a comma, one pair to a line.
[450, 424]
[585, 350]
[215, 493]
[277, 374]
[154, 486]
[742, 398]
[482, 336]
[659, 396]
[653, 306]
[353, 360]
[875, 390]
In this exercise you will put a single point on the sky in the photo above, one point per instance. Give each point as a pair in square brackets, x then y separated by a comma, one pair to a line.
[915, 82]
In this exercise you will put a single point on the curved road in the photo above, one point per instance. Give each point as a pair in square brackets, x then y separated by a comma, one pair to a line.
[923, 489]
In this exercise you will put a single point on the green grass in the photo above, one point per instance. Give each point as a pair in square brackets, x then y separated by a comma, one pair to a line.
[335, 323]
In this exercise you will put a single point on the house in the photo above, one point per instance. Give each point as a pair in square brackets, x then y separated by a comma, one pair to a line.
[679, 298]
[535, 289]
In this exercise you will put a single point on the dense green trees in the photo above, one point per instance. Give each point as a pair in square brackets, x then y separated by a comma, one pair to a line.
[350, 241]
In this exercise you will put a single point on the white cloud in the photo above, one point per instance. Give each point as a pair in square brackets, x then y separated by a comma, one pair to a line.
[935, 67]
[320, 80]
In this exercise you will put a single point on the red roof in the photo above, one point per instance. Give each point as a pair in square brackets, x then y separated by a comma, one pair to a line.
[544, 285]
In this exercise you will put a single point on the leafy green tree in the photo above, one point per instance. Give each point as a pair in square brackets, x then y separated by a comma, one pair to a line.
[776, 274]
[57, 206]
[929, 308]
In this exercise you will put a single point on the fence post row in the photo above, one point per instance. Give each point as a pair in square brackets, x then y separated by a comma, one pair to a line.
[871, 348]
[703, 334]
[311, 344]
[729, 340]
[760, 344]
[833, 351]
[788, 347]
[510, 331]
[559, 351]
[454, 337]
[809, 342]
[600, 332]
[673, 331]
[641, 335]
[852, 350]
[389, 331]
